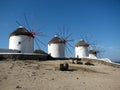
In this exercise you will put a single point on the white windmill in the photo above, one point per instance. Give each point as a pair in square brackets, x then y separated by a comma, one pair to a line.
[23, 39]
[81, 49]
[56, 47]
[93, 54]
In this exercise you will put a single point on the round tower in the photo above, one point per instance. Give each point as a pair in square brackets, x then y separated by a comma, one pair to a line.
[93, 54]
[81, 49]
[56, 47]
[22, 40]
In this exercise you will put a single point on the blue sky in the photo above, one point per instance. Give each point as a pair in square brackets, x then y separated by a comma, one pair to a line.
[97, 19]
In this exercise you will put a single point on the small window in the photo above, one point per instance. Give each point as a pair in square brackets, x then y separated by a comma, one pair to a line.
[19, 51]
[19, 42]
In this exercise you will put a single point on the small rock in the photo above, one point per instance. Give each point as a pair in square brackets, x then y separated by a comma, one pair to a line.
[43, 73]
[83, 82]
[52, 79]
[9, 72]
[18, 86]
[26, 64]
[5, 78]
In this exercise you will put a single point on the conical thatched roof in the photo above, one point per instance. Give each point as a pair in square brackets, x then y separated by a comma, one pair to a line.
[20, 31]
[55, 39]
[82, 43]
[92, 52]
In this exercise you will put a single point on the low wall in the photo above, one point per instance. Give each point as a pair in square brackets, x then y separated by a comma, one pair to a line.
[19, 56]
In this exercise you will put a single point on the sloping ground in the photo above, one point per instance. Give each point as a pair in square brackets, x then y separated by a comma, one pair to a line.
[97, 61]
[45, 75]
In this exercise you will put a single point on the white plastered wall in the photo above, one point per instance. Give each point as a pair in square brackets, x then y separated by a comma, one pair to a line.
[23, 43]
[56, 50]
[81, 52]
[92, 56]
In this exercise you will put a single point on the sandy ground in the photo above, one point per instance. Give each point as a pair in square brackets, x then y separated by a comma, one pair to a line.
[44, 75]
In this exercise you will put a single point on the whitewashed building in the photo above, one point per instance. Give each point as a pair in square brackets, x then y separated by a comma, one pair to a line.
[92, 54]
[81, 49]
[56, 47]
[22, 40]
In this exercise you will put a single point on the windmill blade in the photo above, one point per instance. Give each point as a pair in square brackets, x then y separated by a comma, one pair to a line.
[66, 52]
[68, 36]
[32, 26]
[56, 34]
[87, 39]
[43, 35]
[41, 28]
[67, 31]
[82, 37]
[69, 49]
[19, 23]
[71, 45]
[27, 22]
[37, 44]
[38, 33]
[40, 41]
[67, 41]
[59, 32]
[100, 51]
[63, 31]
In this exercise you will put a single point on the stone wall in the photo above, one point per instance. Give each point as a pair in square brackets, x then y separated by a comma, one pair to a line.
[25, 56]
